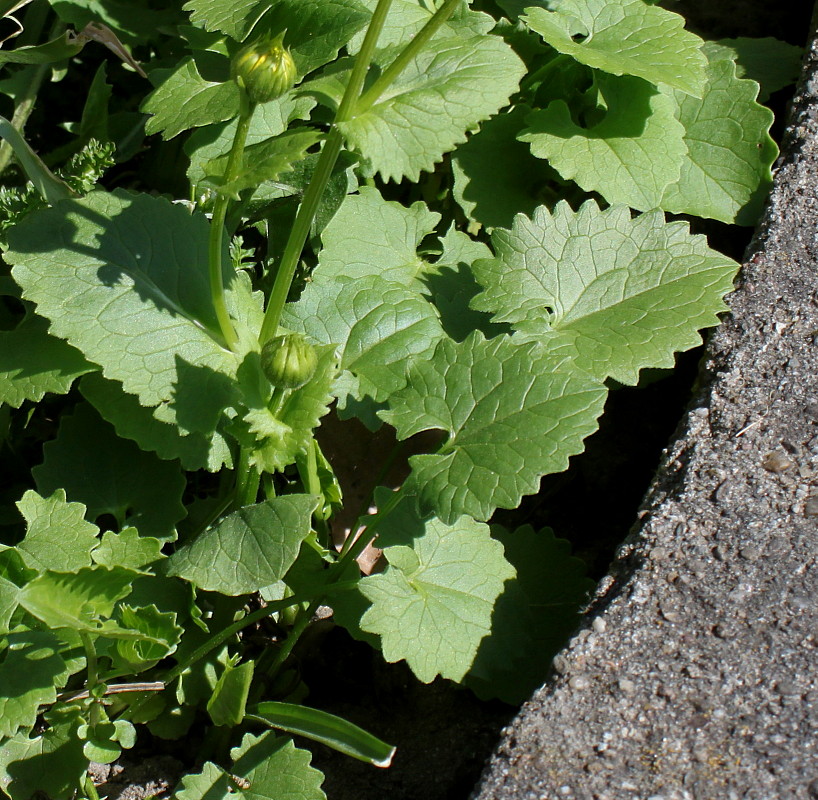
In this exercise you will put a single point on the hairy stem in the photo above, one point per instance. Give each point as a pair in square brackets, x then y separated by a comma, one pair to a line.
[234, 162]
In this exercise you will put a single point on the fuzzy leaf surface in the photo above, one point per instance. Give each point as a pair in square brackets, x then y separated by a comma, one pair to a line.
[443, 93]
[33, 363]
[249, 549]
[617, 293]
[377, 324]
[113, 476]
[57, 535]
[186, 100]
[513, 413]
[124, 279]
[432, 605]
[630, 156]
[726, 173]
[624, 37]
[270, 768]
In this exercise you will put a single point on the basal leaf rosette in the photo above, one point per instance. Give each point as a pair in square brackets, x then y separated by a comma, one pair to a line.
[624, 37]
[513, 412]
[614, 293]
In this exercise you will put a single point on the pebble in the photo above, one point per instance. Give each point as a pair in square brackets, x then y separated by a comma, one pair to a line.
[599, 625]
[579, 682]
[777, 462]
[811, 507]
[627, 686]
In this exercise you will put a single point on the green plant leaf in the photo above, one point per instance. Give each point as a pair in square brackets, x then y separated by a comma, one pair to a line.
[184, 99]
[631, 156]
[124, 278]
[113, 476]
[443, 93]
[51, 763]
[378, 326]
[726, 173]
[227, 703]
[33, 363]
[490, 397]
[326, 728]
[57, 536]
[533, 617]
[127, 549]
[133, 421]
[619, 293]
[371, 236]
[495, 175]
[159, 635]
[33, 669]
[249, 549]
[64, 46]
[268, 767]
[9, 594]
[624, 37]
[77, 601]
[432, 605]
[769, 62]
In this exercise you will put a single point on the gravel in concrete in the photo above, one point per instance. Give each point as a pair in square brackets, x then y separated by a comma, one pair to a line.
[696, 676]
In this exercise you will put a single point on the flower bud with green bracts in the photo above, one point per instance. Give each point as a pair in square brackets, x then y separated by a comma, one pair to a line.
[264, 69]
[288, 361]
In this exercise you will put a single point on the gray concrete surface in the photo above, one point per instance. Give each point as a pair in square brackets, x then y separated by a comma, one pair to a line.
[696, 676]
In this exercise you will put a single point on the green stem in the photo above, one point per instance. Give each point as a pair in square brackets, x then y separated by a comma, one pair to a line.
[93, 675]
[323, 172]
[234, 162]
[391, 73]
[247, 480]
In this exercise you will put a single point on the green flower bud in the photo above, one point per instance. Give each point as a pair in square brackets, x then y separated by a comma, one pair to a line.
[265, 69]
[288, 361]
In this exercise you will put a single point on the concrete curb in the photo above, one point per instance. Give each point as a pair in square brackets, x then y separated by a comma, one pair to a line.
[695, 676]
